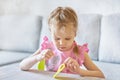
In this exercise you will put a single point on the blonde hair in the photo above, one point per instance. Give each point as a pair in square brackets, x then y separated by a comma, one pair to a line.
[63, 16]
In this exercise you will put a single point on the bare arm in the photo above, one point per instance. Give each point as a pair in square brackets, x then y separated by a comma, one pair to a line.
[92, 69]
[27, 63]
[30, 61]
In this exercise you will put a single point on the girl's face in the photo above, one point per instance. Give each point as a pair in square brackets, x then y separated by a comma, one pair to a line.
[63, 38]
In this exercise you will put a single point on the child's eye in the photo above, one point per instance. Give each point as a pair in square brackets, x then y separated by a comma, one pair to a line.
[67, 38]
[57, 38]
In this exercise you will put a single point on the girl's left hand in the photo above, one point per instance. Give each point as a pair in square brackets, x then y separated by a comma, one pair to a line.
[72, 65]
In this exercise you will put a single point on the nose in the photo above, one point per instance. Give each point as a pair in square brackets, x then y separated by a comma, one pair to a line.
[62, 42]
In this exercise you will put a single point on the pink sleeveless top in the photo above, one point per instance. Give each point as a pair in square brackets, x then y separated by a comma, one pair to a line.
[53, 63]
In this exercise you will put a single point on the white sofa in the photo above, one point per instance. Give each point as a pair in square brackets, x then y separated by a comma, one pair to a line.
[21, 35]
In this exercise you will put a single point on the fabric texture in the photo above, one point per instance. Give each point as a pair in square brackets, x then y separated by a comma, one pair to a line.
[110, 39]
[60, 57]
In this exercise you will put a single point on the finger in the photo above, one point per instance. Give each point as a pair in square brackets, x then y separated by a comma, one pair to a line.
[67, 60]
[68, 63]
[72, 66]
[50, 52]
[47, 57]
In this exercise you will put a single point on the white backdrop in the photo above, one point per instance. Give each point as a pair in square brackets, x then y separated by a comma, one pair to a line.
[44, 7]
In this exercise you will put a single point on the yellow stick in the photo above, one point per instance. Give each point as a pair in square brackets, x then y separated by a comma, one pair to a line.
[61, 67]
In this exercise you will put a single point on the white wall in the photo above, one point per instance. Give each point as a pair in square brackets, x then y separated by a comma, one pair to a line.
[44, 7]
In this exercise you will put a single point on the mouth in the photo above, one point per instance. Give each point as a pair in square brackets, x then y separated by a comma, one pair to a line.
[62, 48]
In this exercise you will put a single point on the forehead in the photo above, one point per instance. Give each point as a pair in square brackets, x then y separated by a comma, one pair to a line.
[65, 31]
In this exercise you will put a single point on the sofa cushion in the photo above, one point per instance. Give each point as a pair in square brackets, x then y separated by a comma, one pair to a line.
[110, 39]
[20, 33]
[88, 32]
[110, 70]
[8, 57]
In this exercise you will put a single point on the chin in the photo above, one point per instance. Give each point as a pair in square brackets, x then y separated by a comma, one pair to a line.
[63, 50]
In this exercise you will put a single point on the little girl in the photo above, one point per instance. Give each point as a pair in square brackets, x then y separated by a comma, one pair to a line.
[63, 25]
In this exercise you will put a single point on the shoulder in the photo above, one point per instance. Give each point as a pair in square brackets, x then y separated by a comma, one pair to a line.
[84, 48]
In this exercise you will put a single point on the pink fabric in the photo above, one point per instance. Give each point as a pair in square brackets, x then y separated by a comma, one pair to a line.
[60, 57]
[46, 43]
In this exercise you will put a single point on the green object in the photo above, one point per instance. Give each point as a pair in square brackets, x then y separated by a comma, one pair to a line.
[41, 65]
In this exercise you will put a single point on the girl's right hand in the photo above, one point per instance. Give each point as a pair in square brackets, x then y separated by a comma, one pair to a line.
[45, 54]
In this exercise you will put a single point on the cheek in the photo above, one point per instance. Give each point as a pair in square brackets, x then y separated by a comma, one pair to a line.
[55, 42]
[70, 43]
